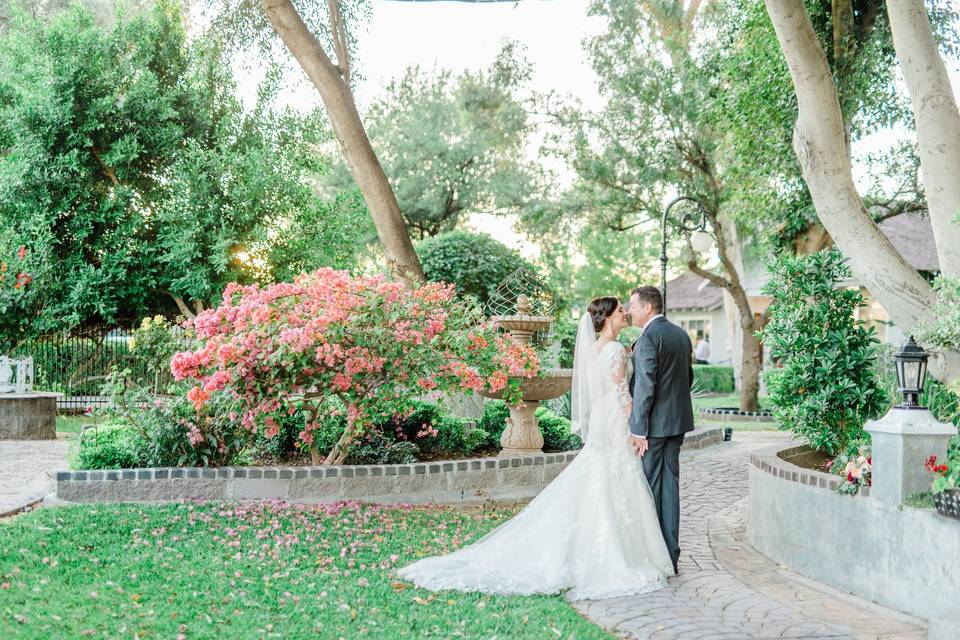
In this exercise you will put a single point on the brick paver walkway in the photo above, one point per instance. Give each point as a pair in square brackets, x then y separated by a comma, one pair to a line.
[728, 590]
[27, 469]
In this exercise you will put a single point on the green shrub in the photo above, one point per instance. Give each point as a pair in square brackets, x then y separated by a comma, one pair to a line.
[555, 428]
[474, 262]
[168, 430]
[494, 421]
[556, 432]
[424, 432]
[107, 447]
[824, 387]
[713, 378]
[152, 345]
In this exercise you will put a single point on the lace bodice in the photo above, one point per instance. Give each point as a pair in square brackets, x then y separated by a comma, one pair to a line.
[616, 368]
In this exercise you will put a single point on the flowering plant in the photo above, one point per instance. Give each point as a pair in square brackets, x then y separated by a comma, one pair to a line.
[855, 468]
[16, 296]
[946, 475]
[366, 340]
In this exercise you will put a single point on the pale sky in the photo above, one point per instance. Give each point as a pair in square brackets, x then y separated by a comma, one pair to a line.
[467, 35]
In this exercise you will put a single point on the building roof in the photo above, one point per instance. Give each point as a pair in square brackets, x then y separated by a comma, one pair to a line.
[912, 236]
[692, 292]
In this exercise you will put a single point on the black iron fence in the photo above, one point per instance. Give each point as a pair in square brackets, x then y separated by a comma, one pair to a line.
[77, 364]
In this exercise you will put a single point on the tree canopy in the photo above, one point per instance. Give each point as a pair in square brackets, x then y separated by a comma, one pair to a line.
[452, 145]
[134, 176]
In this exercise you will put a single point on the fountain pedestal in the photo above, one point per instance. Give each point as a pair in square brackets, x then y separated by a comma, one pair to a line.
[522, 435]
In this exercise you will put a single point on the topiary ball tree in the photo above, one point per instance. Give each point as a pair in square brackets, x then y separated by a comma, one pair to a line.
[474, 262]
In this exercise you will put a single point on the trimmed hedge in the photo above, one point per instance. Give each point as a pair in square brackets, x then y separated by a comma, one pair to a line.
[713, 378]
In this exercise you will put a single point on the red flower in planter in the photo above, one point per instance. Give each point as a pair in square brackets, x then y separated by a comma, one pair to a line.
[932, 466]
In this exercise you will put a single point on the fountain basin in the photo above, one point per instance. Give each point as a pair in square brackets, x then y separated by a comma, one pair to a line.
[522, 436]
[550, 384]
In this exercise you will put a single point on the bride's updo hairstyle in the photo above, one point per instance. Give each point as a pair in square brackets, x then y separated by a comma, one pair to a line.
[600, 309]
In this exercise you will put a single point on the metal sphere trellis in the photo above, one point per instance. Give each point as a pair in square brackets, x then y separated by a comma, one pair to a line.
[503, 302]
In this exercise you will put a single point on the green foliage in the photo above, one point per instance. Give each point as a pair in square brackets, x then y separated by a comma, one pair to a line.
[133, 175]
[713, 378]
[152, 345]
[474, 262]
[922, 500]
[424, 432]
[166, 431]
[494, 420]
[555, 429]
[107, 447]
[556, 432]
[823, 387]
[452, 145]
[944, 330]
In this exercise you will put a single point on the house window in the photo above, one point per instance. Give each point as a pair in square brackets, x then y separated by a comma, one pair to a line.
[696, 329]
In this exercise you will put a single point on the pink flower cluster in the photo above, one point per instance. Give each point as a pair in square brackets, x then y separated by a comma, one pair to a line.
[370, 341]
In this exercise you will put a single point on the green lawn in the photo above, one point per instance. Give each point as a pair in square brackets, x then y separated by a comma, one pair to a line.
[252, 570]
[729, 400]
[72, 424]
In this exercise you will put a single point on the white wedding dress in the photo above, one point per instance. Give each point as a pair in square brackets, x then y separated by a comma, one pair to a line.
[592, 532]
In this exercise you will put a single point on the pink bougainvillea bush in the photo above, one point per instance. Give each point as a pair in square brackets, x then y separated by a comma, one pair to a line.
[371, 342]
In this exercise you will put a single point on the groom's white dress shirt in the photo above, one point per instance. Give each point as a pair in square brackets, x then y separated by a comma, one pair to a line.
[659, 315]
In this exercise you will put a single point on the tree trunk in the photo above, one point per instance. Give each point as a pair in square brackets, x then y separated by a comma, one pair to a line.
[340, 450]
[937, 121]
[363, 163]
[750, 363]
[750, 367]
[821, 151]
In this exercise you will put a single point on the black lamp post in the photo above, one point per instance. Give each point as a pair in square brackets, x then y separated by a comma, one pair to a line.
[911, 363]
[700, 241]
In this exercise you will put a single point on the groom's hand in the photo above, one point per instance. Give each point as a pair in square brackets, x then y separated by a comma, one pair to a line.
[639, 444]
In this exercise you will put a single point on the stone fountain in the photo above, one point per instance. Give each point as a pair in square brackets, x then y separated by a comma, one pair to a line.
[522, 435]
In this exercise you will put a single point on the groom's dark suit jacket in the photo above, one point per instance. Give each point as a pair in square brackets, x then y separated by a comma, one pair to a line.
[662, 377]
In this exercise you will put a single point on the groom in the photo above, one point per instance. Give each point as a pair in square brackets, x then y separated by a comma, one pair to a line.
[662, 409]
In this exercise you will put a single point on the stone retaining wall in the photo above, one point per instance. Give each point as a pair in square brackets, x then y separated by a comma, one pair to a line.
[907, 559]
[475, 480]
[28, 416]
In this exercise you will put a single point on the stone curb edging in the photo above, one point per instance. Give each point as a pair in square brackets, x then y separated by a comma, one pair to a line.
[770, 462]
[26, 506]
[454, 481]
[735, 415]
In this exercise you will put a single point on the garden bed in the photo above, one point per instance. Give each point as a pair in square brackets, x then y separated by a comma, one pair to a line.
[460, 481]
[895, 557]
[805, 458]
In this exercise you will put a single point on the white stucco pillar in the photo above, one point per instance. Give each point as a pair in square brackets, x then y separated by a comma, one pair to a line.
[902, 440]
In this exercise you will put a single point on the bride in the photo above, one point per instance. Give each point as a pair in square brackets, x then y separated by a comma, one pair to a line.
[593, 531]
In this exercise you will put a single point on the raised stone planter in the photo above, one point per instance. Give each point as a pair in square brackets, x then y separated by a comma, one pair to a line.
[28, 416]
[456, 481]
[905, 558]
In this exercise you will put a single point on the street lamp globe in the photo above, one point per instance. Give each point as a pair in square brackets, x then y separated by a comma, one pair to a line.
[701, 241]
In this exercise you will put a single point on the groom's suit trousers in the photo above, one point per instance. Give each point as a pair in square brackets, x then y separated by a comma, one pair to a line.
[661, 465]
